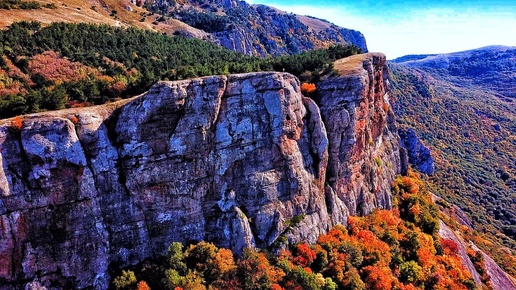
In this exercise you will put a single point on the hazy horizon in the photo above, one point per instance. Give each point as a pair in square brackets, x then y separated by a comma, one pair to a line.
[399, 28]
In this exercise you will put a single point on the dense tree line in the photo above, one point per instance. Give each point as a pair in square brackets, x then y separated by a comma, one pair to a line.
[19, 4]
[81, 64]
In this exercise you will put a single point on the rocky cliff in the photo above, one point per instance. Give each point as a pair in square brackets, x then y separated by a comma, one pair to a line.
[256, 29]
[418, 154]
[230, 159]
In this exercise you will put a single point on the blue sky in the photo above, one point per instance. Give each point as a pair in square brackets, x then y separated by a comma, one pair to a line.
[398, 28]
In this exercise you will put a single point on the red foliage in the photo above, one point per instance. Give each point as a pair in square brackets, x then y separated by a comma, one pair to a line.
[449, 246]
[304, 255]
[55, 68]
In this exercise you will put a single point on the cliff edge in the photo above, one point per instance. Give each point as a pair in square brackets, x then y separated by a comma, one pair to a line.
[229, 159]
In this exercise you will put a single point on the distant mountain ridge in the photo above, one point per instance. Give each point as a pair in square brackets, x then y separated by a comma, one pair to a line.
[257, 29]
[491, 67]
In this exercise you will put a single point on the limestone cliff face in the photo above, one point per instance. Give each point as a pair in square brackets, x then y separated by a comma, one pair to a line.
[225, 159]
[256, 29]
[418, 154]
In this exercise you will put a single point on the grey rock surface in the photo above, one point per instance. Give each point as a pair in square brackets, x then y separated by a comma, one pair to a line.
[228, 159]
[418, 154]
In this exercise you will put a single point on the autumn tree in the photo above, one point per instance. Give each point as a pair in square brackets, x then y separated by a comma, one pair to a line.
[308, 89]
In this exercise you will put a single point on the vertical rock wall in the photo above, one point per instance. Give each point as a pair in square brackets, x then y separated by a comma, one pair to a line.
[364, 145]
[226, 159]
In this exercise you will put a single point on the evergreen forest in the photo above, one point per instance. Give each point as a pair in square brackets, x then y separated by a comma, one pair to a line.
[72, 65]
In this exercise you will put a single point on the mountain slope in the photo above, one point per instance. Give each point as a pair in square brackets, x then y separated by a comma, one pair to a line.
[119, 13]
[388, 249]
[492, 68]
[236, 25]
[469, 122]
[257, 29]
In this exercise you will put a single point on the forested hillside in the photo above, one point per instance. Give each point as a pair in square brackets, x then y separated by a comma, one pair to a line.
[471, 132]
[236, 25]
[67, 65]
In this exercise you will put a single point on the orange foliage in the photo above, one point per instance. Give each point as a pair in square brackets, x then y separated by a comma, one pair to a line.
[258, 269]
[77, 104]
[334, 236]
[410, 185]
[17, 123]
[224, 261]
[374, 250]
[308, 88]
[407, 287]
[386, 107]
[425, 257]
[378, 278]
[378, 251]
[74, 120]
[142, 285]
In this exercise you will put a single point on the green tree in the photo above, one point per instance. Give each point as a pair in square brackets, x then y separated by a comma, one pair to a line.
[410, 272]
[125, 281]
[176, 258]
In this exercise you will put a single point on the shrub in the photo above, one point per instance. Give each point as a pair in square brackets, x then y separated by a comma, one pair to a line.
[410, 272]
[17, 123]
[142, 285]
[308, 89]
[125, 281]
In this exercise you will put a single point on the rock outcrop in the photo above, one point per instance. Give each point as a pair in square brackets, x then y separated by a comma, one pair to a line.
[364, 146]
[498, 278]
[227, 159]
[418, 154]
